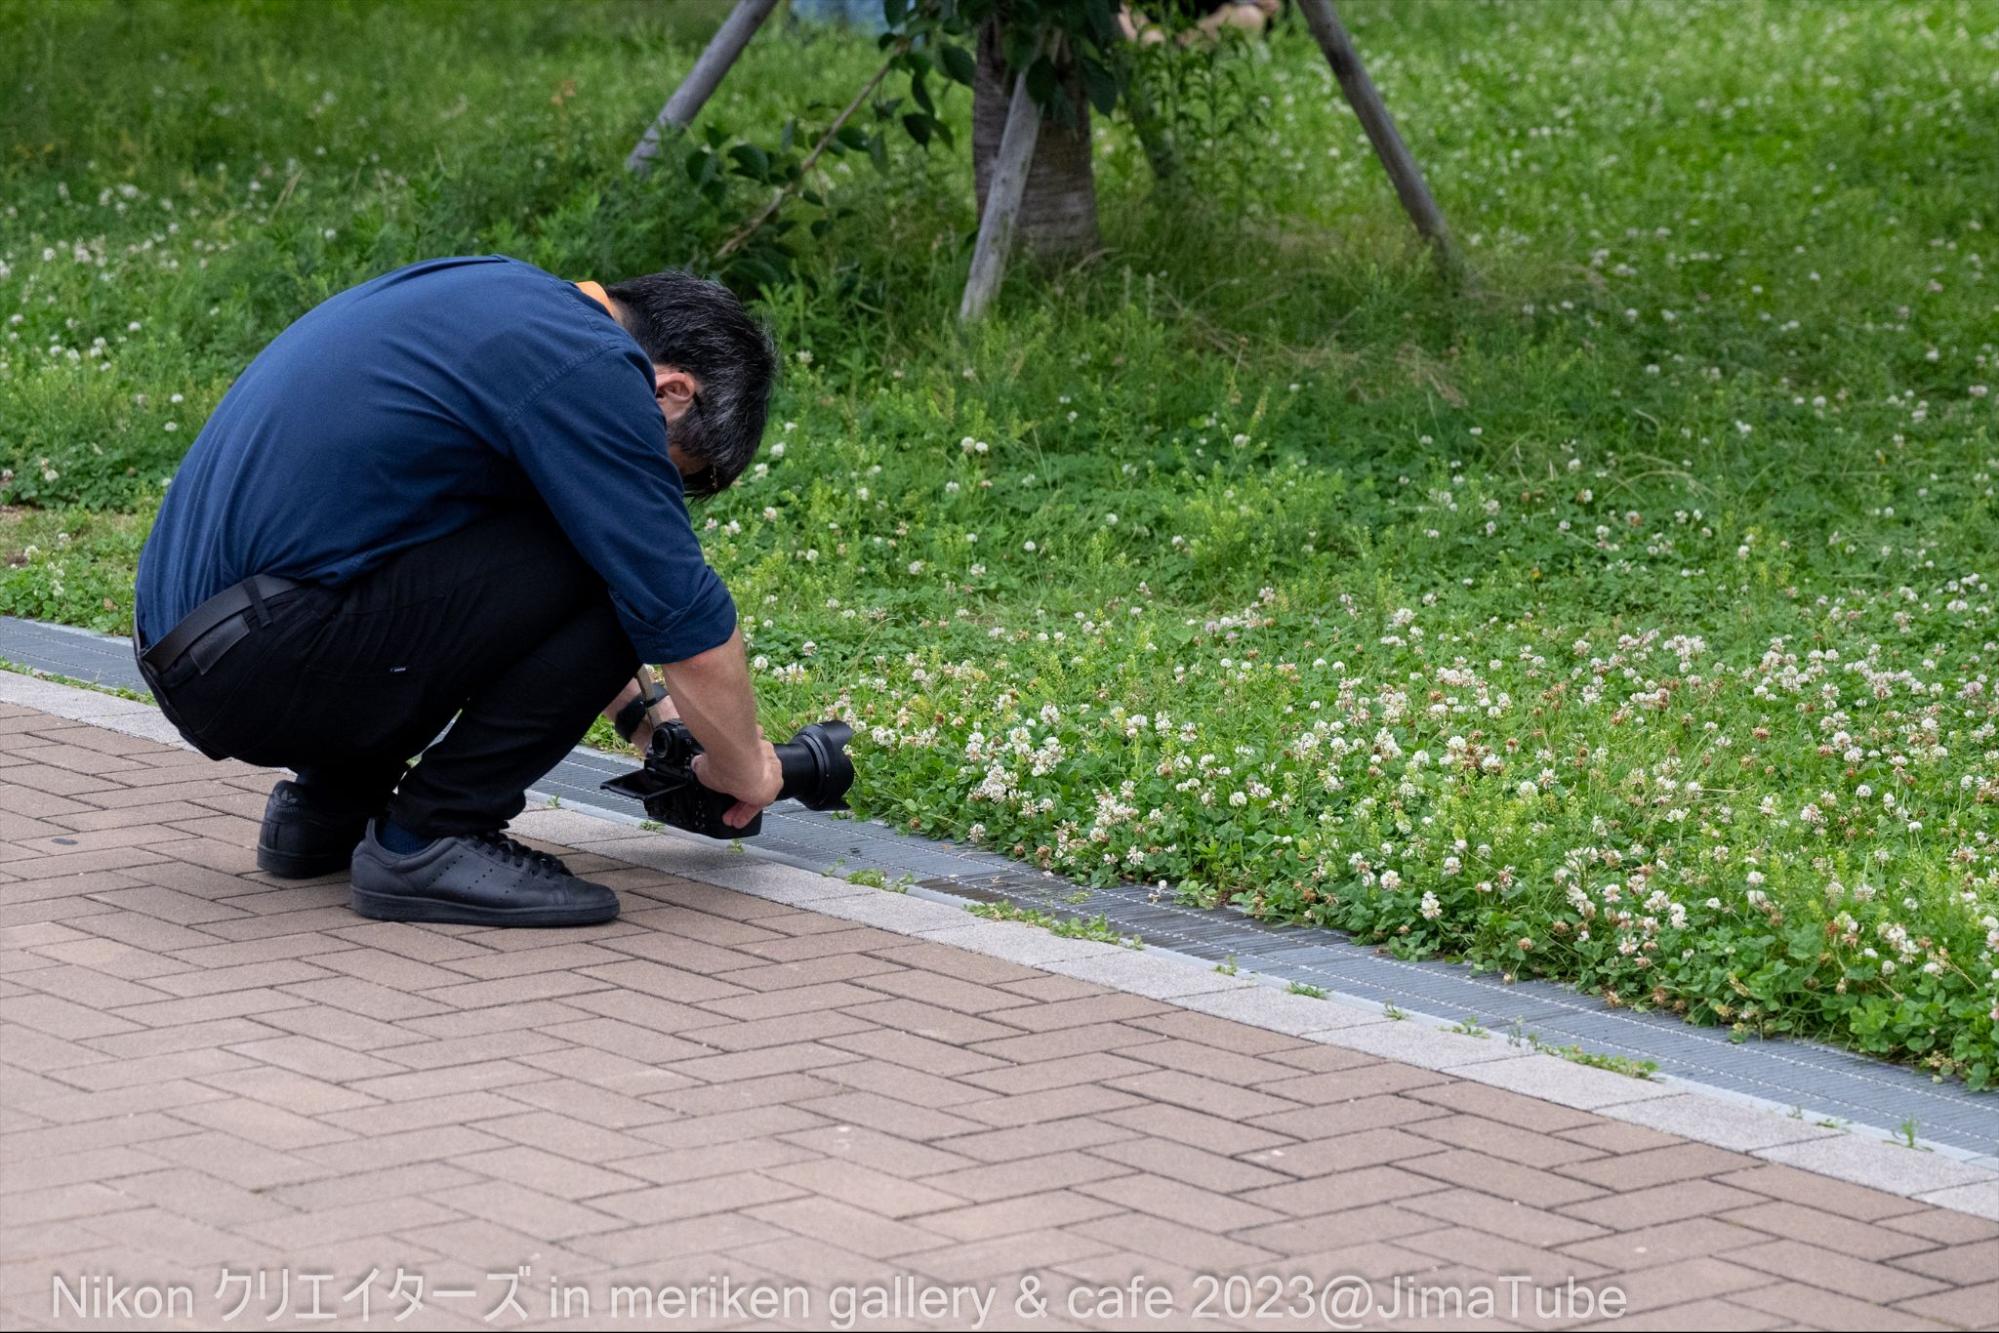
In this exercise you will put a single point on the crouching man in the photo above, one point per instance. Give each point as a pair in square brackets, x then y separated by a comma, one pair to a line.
[454, 497]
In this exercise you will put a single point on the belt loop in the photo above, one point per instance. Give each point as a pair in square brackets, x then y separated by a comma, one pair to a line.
[257, 608]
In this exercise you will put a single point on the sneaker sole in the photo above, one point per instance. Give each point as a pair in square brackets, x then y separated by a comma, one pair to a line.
[302, 865]
[407, 907]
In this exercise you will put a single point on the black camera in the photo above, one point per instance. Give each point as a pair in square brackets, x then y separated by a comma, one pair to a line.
[817, 773]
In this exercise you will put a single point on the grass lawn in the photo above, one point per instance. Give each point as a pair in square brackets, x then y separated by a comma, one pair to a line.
[1629, 620]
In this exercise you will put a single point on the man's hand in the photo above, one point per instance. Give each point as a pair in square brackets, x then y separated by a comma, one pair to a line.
[753, 791]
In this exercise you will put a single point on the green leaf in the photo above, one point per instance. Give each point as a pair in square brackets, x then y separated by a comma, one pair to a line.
[1100, 84]
[1043, 84]
[751, 161]
[918, 127]
[958, 62]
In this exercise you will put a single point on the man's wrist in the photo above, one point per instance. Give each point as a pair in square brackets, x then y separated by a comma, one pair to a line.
[630, 717]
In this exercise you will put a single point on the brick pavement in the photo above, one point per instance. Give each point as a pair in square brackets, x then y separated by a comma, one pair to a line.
[213, 1079]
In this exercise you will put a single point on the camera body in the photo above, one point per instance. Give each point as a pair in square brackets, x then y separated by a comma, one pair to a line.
[817, 774]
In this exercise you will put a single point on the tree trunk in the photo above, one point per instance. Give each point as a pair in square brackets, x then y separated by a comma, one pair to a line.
[1058, 211]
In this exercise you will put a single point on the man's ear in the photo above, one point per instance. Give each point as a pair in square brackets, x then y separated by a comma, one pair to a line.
[674, 388]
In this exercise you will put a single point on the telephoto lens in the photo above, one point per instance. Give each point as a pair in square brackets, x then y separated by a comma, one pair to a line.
[817, 773]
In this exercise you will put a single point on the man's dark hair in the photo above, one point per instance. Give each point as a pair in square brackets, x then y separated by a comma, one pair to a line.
[700, 327]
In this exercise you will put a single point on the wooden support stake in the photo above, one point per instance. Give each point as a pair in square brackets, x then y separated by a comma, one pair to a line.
[1380, 126]
[694, 91]
[1003, 196]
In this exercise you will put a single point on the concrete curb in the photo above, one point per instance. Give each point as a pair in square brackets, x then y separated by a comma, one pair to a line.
[1932, 1174]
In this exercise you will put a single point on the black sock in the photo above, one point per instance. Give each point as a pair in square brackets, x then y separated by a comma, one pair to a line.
[401, 841]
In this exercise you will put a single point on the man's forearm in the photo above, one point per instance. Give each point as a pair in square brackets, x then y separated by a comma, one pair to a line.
[712, 690]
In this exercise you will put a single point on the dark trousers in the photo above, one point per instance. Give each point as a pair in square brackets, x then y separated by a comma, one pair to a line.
[501, 625]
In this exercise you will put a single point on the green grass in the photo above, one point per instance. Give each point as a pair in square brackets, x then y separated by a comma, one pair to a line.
[1097, 928]
[1627, 620]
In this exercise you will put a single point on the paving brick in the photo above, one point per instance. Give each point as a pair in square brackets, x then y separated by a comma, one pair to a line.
[1828, 1231]
[1658, 1166]
[167, 1039]
[192, 1063]
[932, 1022]
[908, 1049]
[245, 1165]
[1615, 1137]
[450, 1079]
[1690, 1238]
[1033, 1108]
[1109, 1008]
[865, 1187]
[1163, 1239]
[1499, 1104]
[1196, 1129]
[203, 1197]
[1819, 1192]
[207, 1008]
[1068, 1071]
[563, 1177]
[259, 1122]
[980, 1261]
[1058, 1043]
[1346, 1152]
[1525, 1146]
[1944, 1226]
[1508, 1180]
[784, 1031]
[904, 1084]
[461, 1108]
[1030, 1175]
[1636, 1209]
[94, 1164]
[1205, 1095]
[670, 983]
[764, 1061]
[661, 1243]
[743, 1094]
[183, 1241]
[83, 985]
[1969, 1306]
[1485, 1252]
[687, 1164]
[1817, 1267]
[373, 1218]
[1799, 1305]
[63, 1105]
[316, 1059]
[1970, 1262]
[1205, 1210]
[726, 1192]
[1006, 1145]
[944, 992]
[730, 1127]
[57, 1017]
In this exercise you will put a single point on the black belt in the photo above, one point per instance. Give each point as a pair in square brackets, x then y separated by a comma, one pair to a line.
[218, 624]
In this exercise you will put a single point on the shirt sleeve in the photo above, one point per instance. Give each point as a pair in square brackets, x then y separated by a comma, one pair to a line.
[591, 439]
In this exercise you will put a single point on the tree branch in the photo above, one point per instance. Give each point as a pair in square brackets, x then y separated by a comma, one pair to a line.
[755, 224]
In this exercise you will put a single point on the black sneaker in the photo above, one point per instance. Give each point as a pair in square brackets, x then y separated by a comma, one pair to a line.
[485, 879]
[305, 835]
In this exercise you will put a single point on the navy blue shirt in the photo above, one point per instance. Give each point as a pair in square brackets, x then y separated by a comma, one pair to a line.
[401, 411]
